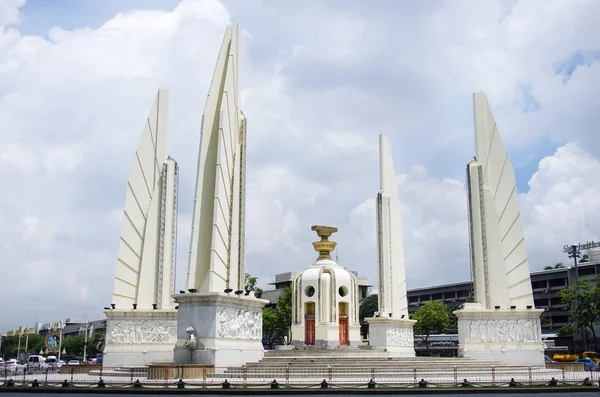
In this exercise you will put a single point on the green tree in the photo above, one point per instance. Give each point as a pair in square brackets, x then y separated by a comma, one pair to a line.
[368, 307]
[31, 343]
[566, 331]
[453, 324]
[74, 345]
[35, 343]
[545, 320]
[558, 265]
[277, 321]
[250, 286]
[432, 318]
[9, 346]
[583, 299]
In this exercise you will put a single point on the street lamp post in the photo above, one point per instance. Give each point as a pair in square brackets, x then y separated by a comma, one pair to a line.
[85, 343]
[60, 327]
[574, 252]
[19, 346]
[26, 341]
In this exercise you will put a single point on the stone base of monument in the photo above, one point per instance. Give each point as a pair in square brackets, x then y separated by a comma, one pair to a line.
[508, 335]
[223, 330]
[392, 335]
[137, 338]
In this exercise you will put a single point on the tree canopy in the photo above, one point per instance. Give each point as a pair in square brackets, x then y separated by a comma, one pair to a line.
[250, 286]
[278, 320]
[368, 307]
[432, 318]
[558, 265]
[31, 343]
[583, 299]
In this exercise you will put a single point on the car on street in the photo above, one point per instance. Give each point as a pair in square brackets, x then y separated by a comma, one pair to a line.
[12, 365]
[36, 362]
[588, 364]
[73, 362]
[52, 363]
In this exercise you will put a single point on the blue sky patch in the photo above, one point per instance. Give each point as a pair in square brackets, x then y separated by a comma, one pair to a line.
[580, 58]
[43, 15]
[526, 160]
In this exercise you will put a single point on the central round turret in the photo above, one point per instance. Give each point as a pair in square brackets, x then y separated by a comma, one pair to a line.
[325, 300]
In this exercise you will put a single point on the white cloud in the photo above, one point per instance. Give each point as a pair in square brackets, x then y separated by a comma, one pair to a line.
[562, 206]
[434, 221]
[63, 158]
[9, 12]
[18, 158]
[29, 226]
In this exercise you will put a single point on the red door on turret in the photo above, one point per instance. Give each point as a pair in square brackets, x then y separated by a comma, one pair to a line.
[309, 331]
[343, 331]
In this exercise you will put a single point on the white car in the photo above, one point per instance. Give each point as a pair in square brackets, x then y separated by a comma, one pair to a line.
[11, 362]
[73, 362]
[53, 363]
[35, 362]
[12, 365]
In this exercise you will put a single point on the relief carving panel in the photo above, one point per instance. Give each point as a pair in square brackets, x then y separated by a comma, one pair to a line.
[400, 336]
[503, 331]
[142, 332]
[239, 324]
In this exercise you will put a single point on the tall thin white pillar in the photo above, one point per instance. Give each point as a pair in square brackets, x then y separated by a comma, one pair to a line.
[390, 328]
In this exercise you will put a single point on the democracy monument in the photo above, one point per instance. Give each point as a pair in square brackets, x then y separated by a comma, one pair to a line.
[213, 322]
[502, 323]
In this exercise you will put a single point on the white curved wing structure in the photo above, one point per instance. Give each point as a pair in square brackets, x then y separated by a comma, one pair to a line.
[145, 271]
[217, 241]
[392, 274]
[499, 257]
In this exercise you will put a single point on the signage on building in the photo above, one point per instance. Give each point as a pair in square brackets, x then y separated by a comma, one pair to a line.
[52, 341]
[587, 246]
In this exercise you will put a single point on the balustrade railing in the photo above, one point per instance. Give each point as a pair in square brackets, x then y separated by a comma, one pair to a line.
[293, 376]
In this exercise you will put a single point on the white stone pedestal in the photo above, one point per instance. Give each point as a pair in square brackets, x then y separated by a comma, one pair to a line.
[136, 338]
[392, 335]
[508, 335]
[214, 328]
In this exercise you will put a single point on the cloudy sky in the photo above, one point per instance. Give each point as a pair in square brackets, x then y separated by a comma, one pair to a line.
[320, 80]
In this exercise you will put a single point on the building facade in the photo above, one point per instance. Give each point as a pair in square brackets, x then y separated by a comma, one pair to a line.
[545, 285]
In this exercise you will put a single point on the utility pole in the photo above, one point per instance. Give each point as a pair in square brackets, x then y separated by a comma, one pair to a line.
[60, 326]
[19, 345]
[85, 343]
[574, 252]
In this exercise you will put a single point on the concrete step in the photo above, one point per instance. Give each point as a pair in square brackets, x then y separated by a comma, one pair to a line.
[376, 364]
